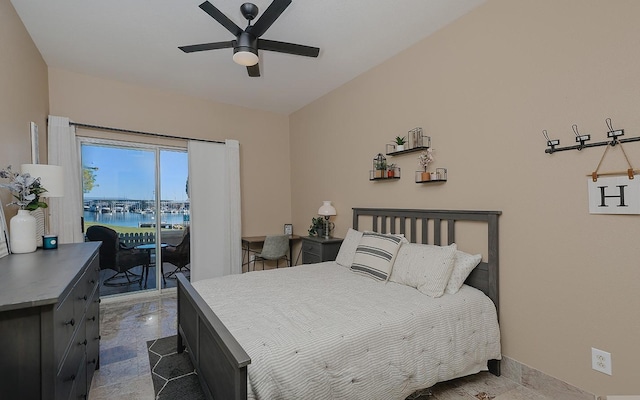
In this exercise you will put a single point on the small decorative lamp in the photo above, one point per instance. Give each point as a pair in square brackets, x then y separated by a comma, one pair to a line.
[52, 179]
[327, 210]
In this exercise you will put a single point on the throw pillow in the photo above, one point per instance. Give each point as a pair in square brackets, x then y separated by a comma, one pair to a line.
[375, 255]
[464, 263]
[424, 267]
[348, 248]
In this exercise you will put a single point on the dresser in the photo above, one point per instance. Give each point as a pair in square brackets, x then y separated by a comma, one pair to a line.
[318, 249]
[49, 322]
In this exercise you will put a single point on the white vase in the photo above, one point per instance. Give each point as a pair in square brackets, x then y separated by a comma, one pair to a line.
[23, 233]
[400, 147]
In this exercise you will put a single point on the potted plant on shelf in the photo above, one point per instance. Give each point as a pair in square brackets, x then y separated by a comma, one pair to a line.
[391, 171]
[379, 166]
[424, 159]
[400, 141]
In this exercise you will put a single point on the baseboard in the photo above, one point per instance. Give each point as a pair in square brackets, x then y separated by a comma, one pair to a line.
[545, 384]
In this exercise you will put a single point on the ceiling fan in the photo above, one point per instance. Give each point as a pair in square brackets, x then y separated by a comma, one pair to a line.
[247, 43]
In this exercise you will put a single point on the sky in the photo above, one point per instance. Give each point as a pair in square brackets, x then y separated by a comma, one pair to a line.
[128, 173]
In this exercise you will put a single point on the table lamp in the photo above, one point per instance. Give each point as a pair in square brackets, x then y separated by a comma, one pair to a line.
[327, 210]
[52, 179]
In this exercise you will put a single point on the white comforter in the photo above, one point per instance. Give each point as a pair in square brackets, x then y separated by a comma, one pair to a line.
[319, 331]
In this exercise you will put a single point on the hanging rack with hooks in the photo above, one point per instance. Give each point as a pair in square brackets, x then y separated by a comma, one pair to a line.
[613, 134]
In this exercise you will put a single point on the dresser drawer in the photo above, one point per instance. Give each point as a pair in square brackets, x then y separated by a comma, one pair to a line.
[318, 249]
[93, 335]
[65, 321]
[310, 258]
[68, 376]
[310, 248]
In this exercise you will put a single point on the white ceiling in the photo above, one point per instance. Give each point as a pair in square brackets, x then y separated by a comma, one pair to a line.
[137, 41]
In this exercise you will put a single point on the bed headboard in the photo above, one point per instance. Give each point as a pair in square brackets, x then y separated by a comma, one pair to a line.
[414, 224]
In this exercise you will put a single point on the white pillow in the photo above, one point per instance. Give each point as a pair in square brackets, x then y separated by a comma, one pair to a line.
[424, 267]
[464, 263]
[348, 248]
[375, 255]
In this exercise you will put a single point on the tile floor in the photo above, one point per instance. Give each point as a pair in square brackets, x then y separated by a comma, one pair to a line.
[124, 372]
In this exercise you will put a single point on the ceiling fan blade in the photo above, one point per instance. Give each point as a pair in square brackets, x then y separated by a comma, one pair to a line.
[254, 70]
[268, 17]
[221, 18]
[207, 46]
[289, 48]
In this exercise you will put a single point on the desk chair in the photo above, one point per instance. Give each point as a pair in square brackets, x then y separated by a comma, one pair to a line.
[274, 248]
[117, 256]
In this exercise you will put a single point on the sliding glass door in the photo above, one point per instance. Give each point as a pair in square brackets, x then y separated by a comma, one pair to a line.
[134, 194]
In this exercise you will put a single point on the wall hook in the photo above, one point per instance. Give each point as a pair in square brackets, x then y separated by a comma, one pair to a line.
[580, 138]
[612, 133]
[551, 143]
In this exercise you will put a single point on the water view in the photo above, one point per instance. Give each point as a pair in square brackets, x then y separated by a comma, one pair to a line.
[132, 219]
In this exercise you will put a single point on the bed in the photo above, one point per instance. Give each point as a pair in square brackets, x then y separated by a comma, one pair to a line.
[313, 343]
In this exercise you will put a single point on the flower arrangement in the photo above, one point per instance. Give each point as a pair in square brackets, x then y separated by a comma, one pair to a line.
[425, 158]
[24, 188]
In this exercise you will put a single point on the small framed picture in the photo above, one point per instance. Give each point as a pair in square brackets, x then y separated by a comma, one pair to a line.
[288, 229]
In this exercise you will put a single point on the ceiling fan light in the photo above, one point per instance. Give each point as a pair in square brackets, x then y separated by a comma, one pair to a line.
[246, 58]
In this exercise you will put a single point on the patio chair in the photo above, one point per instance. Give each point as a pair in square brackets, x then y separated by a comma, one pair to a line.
[275, 248]
[117, 256]
[178, 255]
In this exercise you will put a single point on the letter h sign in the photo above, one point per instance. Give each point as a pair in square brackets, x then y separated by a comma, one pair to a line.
[614, 195]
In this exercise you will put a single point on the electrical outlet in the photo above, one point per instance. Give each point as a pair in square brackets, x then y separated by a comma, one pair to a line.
[601, 361]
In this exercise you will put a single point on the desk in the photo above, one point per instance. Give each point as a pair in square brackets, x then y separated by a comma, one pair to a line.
[247, 241]
[149, 247]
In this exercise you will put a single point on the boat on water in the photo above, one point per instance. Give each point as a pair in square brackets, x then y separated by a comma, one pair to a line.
[105, 210]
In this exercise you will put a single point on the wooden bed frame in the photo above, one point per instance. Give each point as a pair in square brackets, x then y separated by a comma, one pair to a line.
[222, 363]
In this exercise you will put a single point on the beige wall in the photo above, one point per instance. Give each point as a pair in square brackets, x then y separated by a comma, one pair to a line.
[23, 95]
[484, 88]
[263, 136]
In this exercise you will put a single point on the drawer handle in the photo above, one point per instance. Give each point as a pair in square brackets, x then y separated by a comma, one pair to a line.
[92, 361]
[92, 318]
[92, 281]
[71, 378]
[83, 297]
[72, 322]
[83, 343]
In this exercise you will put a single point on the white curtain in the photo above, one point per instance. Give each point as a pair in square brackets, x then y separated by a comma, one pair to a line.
[65, 212]
[214, 191]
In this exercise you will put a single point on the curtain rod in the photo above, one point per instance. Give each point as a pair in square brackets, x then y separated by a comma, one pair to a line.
[159, 135]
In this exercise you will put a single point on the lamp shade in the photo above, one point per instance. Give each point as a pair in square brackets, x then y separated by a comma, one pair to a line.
[327, 209]
[51, 178]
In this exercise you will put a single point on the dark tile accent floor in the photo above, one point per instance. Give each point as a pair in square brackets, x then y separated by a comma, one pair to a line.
[173, 375]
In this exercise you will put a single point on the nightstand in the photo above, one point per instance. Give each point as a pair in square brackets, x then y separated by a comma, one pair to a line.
[319, 249]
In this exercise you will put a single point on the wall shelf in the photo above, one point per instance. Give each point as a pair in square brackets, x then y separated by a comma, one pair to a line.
[440, 175]
[385, 179]
[432, 181]
[407, 151]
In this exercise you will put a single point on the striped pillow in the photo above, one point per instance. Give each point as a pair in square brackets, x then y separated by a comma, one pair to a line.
[375, 255]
